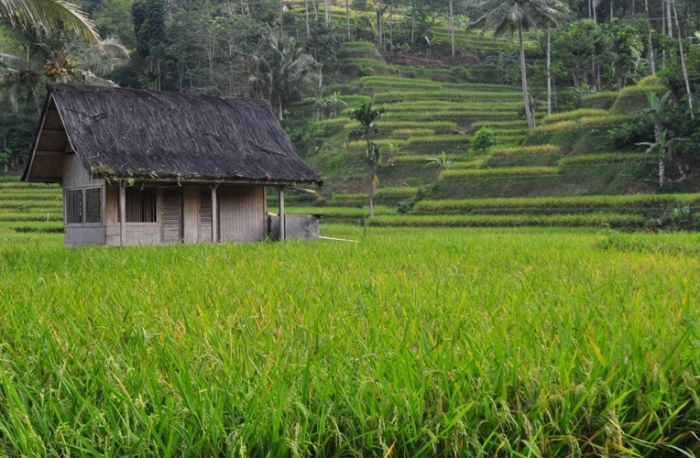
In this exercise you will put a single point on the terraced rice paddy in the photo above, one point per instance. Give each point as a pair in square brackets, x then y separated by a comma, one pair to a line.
[411, 342]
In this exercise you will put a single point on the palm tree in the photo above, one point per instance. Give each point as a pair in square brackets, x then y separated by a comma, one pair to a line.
[49, 16]
[58, 56]
[508, 16]
[657, 106]
[367, 116]
[283, 67]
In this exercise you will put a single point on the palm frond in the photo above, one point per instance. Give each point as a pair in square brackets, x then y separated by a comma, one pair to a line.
[49, 15]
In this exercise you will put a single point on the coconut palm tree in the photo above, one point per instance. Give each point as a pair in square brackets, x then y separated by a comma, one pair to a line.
[510, 16]
[367, 115]
[282, 68]
[49, 16]
[58, 56]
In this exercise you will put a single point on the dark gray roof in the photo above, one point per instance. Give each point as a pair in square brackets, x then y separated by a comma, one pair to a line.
[129, 132]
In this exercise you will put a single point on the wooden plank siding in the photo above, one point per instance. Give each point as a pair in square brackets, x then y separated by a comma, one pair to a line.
[205, 215]
[171, 220]
[242, 213]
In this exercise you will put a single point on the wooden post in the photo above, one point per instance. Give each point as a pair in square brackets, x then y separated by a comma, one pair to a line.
[122, 211]
[214, 215]
[283, 229]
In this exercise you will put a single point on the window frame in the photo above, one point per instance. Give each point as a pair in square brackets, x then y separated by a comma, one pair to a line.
[156, 206]
[83, 216]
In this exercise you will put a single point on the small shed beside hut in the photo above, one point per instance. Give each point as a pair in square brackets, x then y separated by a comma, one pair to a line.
[144, 167]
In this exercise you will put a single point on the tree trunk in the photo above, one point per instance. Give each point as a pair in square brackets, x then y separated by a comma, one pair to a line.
[649, 40]
[657, 139]
[327, 11]
[347, 16]
[612, 9]
[595, 13]
[549, 69]
[371, 196]
[669, 27]
[590, 9]
[308, 27]
[685, 69]
[523, 75]
[452, 29]
[391, 28]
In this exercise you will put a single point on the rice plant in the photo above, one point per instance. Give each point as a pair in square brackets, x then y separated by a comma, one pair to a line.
[535, 149]
[497, 172]
[409, 342]
[633, 201]
[608, 158]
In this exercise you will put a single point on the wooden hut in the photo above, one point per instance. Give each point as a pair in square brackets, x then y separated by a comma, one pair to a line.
[144, 167]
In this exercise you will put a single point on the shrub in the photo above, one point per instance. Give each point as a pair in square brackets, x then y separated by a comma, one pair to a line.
[497, 172]
[483, 140]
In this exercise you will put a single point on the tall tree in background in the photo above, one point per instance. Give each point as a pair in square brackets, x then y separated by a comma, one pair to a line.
[283, 67]
[367, 115]
[49, 16]
[149, 28]
[509, 16]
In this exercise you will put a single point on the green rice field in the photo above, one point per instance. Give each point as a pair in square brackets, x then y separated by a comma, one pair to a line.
[406, 342]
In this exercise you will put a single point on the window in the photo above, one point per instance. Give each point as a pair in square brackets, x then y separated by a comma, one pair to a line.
[74, 206]
[93, 205]
[140, 205]
[84, 206]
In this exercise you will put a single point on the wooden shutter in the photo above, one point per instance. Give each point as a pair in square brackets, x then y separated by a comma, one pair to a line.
[172, 215]
[205, 216]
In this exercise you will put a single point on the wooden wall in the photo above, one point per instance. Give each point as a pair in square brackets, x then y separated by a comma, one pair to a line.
[242, 216]
[76, 177]
[242, 213]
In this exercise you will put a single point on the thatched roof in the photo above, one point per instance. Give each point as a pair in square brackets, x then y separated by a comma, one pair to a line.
[136, 133]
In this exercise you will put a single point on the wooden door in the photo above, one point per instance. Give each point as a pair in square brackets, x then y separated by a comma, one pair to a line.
[172, 215]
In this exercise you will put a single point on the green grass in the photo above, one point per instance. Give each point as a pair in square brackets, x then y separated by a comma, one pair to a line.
[633, 201]
[604, 121]
[393, 124]
[404, 133]
[567, 220]
[339, 212]
[574, 115]
[512, 151]
[609, 158]
[600, 100]
[442, 95]
[451, 174]
[634, 98]
[428, 342]
[438, 140]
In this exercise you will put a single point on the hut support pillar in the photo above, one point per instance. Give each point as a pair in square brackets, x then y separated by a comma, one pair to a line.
[214, 214]
[283, 222]
[122, 211]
